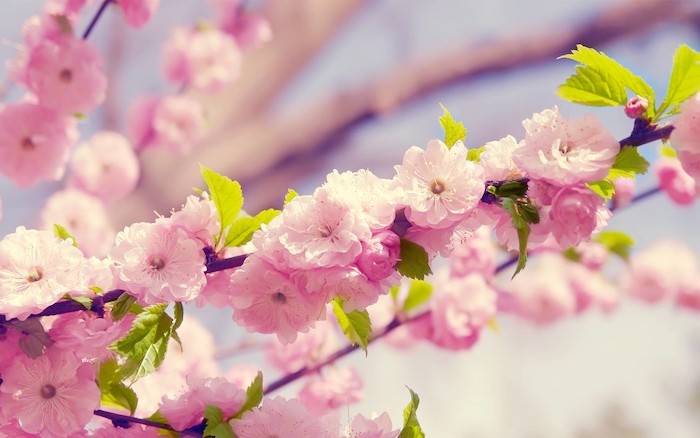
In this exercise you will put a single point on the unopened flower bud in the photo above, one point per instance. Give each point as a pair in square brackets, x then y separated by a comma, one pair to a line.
[636, 107]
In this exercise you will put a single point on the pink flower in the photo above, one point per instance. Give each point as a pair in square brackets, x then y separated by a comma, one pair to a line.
[565, 152]
[337, 387]
[53, 395]
[636, 107]
[34, 143]
[36, 270]
[576, 212]
[378, 427]
[198, 218]
[105, 166]
[497, 160]
[248, 28]
[459, 308]
[476, 254]
[205, 59]
[309, 348]
[158, 264]
[356, 290]
[624, 191]
[660, 271]
[70, 8]
[178, 123]
[379, 256]
[319, 231]
[137, 12]
[685, 138]
[265, 300]
[278, 417]
[591, 288]
[140, 122]
[440, 186]
[187, 409]
[87, 335]
[66, 75]
[678, 185]
[84, 216]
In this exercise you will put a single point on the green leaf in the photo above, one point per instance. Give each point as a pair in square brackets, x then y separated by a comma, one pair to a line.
[114, 393]
[34, 338]
[61, 232]
[454, 131]
[394, 292]
[84, 301]
[685, 79]
[522, 228]
[291, 194]
[253, 396]
[414, 261]
[124, 304]
[617, 242]
[179, 314]
[628, 163]
[418, 293]
[602, 81]
[227, 197]
[511, 189]
[411, 427]
[475, 154]
[529, 213]
[605, 189]
[243, 228]
[668, 152]
[145, 345]
[216, 425]
[355, 325]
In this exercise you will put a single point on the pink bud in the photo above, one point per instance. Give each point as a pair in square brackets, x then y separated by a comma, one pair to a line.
[379, 255]
[636, 107]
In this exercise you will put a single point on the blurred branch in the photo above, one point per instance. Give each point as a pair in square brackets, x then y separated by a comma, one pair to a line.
[258, 152]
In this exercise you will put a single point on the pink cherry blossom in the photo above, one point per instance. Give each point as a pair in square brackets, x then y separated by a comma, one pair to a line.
[265, 300]
[576, 212]
[36, 270]
[565, 152]
[278, 417]
[356, 290]
[187, 409]
[440, 187]
[205, 59]
[137, 12]
[319, 231]
[87, 335]
[66, 75]
[591, 288]
[34, 143]
[249, 29]
[379, 256]
[678, 185]
[378, 427]
[68, 208]
[477, 254]
[685, 138]
[140, 122]
[624, 191]
[199, 218]
[105, 166]
[335, 388]
[309, 348]
[460, 306]
[53, 395]
[158, 264]
[593, 255]
[178, 123]
[497, 160]
[636, 107]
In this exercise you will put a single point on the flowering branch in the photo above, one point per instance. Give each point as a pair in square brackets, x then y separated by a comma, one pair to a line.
[97, 16]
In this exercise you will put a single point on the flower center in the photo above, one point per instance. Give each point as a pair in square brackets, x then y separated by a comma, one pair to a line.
[325, 230]
[34, 274]
[564, 148]
[278, 297]
[27, 144]
[157, 263]
[437, 186]
[65, 75]
[48, 391]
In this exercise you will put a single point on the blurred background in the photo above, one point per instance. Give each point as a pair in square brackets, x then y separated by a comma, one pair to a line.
[350, 84]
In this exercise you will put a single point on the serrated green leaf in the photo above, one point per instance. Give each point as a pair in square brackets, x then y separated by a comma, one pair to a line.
[411, 426]
[418, 293]
[114, 393]
[628, 163]
[243, 228]
[684, 81]
[124, 304]
[145, 345]
[227, 197]
[414, 261]
[291, 194]
[475, 154]
[522, 228]
[216, 425]
[529, 212]
[61, 232]
[356, 325]
[604, 189]
[617, 242]
[34, 338]
[454, 131]
[668, 152]
[602, 81]
[253, 396]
